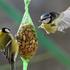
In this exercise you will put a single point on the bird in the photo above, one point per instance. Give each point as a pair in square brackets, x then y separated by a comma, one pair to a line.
[9, 45]
[53, 21]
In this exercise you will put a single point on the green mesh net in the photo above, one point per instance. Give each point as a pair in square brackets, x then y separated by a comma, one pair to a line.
[27, 37]
[26, 18]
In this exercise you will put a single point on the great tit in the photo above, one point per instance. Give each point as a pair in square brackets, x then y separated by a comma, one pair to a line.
[9, 45]
[53, 21]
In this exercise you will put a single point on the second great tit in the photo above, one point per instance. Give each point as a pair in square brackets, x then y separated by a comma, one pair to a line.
[53, 21]
[46, 20]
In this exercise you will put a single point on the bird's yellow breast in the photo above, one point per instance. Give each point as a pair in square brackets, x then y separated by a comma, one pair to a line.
[15, 47]
[51, 28]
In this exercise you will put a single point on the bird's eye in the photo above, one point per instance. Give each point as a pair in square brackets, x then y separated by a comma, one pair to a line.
[47, 15]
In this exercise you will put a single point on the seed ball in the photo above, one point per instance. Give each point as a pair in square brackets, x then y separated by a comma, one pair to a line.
[27, 38]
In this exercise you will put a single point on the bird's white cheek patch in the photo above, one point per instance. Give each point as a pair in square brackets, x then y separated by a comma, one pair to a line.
[46, 21]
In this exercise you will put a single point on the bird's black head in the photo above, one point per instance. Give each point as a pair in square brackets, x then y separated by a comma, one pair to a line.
[5, 30]
[53, 16]
[49, 17]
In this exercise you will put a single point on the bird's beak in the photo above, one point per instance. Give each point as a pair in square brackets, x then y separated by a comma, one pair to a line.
[41, 26]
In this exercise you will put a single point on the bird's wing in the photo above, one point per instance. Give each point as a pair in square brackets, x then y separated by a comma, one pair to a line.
[63, 21]
[11, 52]
[7, 51]
[15, 48]
[4, 39]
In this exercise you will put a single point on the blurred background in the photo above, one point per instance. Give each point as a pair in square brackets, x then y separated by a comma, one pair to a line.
[44, 61]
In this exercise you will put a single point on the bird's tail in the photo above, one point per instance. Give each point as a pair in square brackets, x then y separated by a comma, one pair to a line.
[13, 66]
[12, 63]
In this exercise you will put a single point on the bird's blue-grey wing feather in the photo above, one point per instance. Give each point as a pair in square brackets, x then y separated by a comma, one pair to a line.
[63, 21]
